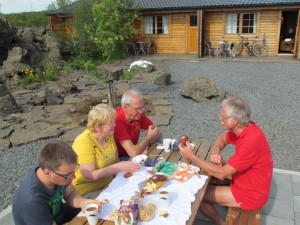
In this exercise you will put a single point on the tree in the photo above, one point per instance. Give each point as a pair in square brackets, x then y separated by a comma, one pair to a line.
[83, 17]
[59, 4]
[113, 25]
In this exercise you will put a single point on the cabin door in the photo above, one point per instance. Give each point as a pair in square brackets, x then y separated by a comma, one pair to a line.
[192, 32]
[296, 45]
[288, 36]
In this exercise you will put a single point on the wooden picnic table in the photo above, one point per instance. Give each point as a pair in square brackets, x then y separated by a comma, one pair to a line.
[203, 151]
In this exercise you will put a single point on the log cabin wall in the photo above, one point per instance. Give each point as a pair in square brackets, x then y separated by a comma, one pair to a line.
[60, 24]
[176, 40]
[268, 21]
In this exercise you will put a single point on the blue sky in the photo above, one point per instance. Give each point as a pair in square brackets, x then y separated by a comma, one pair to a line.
[16, 6]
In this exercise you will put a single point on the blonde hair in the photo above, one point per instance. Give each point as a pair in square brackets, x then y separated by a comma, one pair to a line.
[101, 114]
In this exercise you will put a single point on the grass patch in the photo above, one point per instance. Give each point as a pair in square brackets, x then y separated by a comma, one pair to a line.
[30, 76]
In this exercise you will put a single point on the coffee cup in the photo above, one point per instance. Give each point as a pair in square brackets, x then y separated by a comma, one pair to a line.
[167, 144]
[164, 198]
[91, 212]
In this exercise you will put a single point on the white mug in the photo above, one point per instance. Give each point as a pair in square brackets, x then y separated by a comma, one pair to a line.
[167, 144]
[164, 198]
[91, 212]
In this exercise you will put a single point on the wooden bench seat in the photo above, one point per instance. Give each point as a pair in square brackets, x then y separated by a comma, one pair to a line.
[237, 216]
[216, 182]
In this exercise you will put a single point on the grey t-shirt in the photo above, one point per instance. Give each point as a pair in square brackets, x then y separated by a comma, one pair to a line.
[35, 204]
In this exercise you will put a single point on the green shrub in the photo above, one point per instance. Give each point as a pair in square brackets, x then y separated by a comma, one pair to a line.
[131, 73]
[76, 63]
[68, 46]
[50, 74]
[30, 76]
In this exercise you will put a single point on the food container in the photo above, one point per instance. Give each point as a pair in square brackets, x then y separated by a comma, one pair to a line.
[139, 159]
[147, 208]
[153, 184]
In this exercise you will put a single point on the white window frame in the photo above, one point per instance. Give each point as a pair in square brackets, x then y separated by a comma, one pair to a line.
[234, 23]
[151, 25]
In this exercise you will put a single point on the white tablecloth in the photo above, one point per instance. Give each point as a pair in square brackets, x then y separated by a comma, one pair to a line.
[181, 196]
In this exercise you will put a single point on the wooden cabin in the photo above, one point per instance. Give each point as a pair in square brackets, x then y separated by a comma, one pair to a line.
[60, 20]
[184, 26]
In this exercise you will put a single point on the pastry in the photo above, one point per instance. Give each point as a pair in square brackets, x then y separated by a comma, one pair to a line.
[153, 183]
[147, 212]
[163, 213]
[184, 138]
[128, 174]
[104, 201]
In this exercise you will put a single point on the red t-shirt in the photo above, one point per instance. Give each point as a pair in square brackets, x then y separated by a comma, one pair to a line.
[128, 131]
[253, 161]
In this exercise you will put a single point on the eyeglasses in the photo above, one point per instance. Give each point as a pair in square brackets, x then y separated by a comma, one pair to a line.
[222, 119]
[69, 176]
[139, 110]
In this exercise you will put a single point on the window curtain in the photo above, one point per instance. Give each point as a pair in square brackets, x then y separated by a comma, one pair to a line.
[148, 25]
[166, 24]
[231, 23]
[254, 23]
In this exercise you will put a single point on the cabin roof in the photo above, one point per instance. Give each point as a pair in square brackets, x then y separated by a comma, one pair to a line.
[148, 5]
[179, 4]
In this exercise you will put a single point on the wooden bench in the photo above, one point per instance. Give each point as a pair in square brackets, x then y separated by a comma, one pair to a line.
[216, 182]
[237, 216]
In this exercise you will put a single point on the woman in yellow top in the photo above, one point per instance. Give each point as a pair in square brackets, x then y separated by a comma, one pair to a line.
[97, 152]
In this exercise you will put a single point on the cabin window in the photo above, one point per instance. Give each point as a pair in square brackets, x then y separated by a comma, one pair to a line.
[156, 24]
[232, 23]
[240, 23]
[249, 23]
[193, 21]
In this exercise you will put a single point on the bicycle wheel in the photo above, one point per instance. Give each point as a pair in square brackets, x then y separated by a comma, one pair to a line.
[260, 50]
[264, 50]
[237, 50]
[256, 50]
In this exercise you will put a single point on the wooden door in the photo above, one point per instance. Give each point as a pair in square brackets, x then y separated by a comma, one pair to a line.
[297, 36]
[192, 32]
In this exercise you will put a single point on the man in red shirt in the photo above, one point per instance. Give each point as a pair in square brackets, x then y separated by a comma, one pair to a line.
[250, 168]
[130, 120]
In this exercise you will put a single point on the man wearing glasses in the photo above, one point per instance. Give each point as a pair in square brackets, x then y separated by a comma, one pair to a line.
[250, 168]
[130, 120]
[47, 195]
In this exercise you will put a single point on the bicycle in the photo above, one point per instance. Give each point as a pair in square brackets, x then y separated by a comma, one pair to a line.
[257, 48]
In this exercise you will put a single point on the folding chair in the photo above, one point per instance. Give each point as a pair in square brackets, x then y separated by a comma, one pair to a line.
[150, 47]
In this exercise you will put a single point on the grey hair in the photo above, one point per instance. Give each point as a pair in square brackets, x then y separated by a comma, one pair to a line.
[129, 95]
[238, 108]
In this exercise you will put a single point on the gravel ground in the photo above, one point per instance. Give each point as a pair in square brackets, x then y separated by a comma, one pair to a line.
[271, 89]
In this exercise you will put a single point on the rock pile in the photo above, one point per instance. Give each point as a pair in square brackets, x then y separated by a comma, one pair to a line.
[54, 109]
[59, 109]
[26, 48]
[202, 89]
